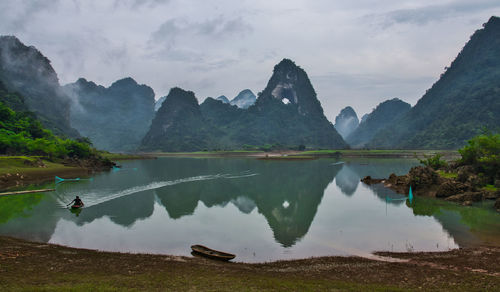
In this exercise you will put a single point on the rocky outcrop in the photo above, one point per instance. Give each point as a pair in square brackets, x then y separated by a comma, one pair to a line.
[425, 181]
[450, 188]
[466, 197]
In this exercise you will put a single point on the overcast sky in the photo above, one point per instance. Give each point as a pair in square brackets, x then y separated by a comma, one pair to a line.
[356, 53]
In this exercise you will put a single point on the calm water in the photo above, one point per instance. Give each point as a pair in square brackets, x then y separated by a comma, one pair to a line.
[259, 210]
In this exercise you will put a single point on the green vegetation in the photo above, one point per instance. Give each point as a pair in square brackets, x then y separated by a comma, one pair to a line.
[122, 156]
[433, 161]
[26, 71]
[483, 153]
[382, 116]
[482, 221]
[16, 206]
[463, 100]
[447, 174]
[490, 188]
[22, 133]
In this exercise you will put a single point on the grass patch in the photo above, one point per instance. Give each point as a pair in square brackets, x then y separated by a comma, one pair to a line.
[288, 157]
[122, 156]
[490, 188]
[447, 174]
[19, 164]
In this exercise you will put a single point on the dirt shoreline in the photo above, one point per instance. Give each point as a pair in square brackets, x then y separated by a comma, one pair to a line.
[34, 265]
[23, 178]
[25, 175]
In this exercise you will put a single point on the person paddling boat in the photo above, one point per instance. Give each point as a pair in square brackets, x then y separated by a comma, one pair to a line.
[77, 203]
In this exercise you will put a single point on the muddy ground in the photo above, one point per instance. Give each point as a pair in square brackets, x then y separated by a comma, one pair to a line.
[29, 265]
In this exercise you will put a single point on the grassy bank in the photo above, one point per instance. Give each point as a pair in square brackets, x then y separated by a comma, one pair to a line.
[22, 170]
[38, 266]
[124, 156]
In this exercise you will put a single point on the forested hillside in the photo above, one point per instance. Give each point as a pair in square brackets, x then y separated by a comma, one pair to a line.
[463, 101]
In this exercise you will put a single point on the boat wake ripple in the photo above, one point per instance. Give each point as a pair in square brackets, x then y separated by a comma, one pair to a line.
[96, 198]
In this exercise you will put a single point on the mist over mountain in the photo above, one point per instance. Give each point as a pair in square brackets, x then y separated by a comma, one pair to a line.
[465, 99]
[25, 70]
[346, 121]
[287, 113]
[244, 99]
[114, 118]
[159, 102]
[382, 116]
[363, 118]
[223, 98]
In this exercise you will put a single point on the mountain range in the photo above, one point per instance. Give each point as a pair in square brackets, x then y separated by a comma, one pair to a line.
[465, 99]
[114, 118]
[243, 100]
[384, 115]
[286, 114]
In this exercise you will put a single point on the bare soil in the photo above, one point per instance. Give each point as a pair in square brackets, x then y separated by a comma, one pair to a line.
[31, 266]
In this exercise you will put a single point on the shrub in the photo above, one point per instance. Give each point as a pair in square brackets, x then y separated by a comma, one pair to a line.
[483, 153]
[433, 161]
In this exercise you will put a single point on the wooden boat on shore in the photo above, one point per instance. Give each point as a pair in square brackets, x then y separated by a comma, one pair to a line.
[211, 253]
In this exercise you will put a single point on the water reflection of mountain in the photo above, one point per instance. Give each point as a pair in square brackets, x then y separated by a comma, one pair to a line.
[352, 172]
[287, 194]
[257, 184]
[27, 218]
[124, 211]
[467, 225]
[347, 180]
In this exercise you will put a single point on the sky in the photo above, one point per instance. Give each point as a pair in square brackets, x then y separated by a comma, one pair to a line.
[356, 53]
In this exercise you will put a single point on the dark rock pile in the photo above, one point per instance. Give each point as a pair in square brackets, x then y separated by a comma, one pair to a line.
[465, 189]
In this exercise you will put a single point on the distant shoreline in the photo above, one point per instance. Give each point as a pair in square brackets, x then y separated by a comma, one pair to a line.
[295, 155]
[16, 174]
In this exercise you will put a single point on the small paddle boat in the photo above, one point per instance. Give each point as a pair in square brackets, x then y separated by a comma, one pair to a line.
[211, 253]
[75, 206]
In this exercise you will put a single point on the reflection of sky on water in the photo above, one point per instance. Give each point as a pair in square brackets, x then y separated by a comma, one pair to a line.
[259, 210]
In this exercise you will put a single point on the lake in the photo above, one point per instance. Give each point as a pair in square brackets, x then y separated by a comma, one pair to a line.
[259, 210]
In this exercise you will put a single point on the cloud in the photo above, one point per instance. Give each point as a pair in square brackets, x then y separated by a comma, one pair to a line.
[223, 46]
[16, 15]
[426, 14]
[140, 3]
[216, 28]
